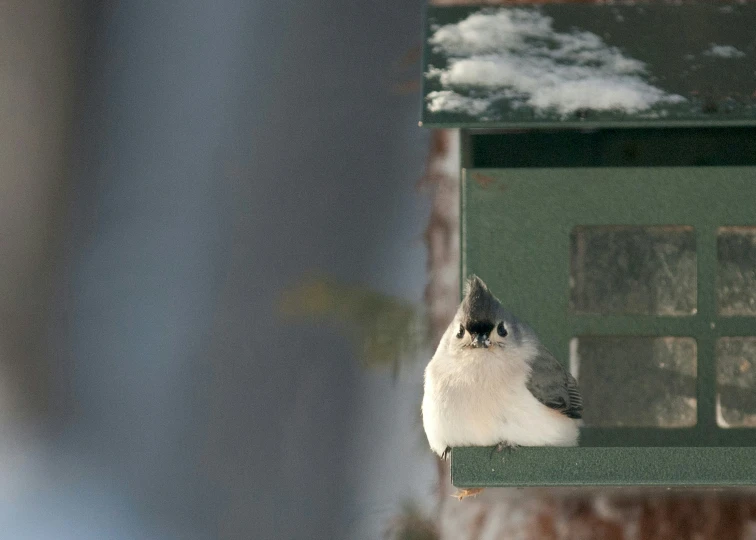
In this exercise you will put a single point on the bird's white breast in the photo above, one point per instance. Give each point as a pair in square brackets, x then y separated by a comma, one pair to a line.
[481, 399]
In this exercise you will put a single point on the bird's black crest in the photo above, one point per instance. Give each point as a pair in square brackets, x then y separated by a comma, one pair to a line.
[479, 307]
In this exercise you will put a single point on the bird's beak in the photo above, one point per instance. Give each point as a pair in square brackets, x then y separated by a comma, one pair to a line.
[480, 341]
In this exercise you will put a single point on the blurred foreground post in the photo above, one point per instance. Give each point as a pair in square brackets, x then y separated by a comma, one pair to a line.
[37, 65]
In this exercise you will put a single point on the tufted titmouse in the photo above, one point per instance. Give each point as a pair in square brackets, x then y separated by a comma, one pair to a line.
[492, 382]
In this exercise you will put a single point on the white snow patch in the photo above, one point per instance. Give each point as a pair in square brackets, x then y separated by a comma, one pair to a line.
[516, 54]
[721, 422]
[723, 51]
[450, 101]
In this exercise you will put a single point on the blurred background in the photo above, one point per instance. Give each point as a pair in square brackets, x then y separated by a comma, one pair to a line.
[204, 206]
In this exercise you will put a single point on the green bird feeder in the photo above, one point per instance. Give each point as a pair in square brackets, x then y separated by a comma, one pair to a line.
[609, 199]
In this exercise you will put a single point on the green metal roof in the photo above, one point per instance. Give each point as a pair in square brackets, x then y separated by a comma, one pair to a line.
[590, 65]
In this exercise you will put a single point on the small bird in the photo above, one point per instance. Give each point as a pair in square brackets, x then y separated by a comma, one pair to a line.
[492, 382]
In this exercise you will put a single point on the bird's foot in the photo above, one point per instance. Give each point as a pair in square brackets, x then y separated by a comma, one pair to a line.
[510, 447]
[469, 492]
[446, 453]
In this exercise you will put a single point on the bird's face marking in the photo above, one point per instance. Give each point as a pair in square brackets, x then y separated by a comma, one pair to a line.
[482, 335]
[481, 325]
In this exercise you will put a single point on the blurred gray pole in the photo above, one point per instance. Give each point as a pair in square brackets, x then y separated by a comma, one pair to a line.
[150, 244]
[37, 62]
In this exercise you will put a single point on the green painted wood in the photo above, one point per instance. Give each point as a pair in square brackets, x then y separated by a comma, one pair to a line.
[630, 437]
[696, 58]
[516, 226]
[631, 466]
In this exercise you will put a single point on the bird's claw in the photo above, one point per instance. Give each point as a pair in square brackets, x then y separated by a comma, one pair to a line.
[469, 492]
[445, 455]
[510, 447]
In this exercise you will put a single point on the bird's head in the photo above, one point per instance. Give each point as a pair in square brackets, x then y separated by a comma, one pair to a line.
[481, 324]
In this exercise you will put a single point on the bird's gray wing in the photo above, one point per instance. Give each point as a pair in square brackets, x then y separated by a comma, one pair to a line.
[553, 385]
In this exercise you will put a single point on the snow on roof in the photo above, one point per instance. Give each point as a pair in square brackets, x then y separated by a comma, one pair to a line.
[516, 54]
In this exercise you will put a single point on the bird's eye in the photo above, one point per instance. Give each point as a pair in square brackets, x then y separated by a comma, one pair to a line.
[461, 332]
[501, 330]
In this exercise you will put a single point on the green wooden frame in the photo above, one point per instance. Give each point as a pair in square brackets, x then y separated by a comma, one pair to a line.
[597, 466]
[505, 210]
